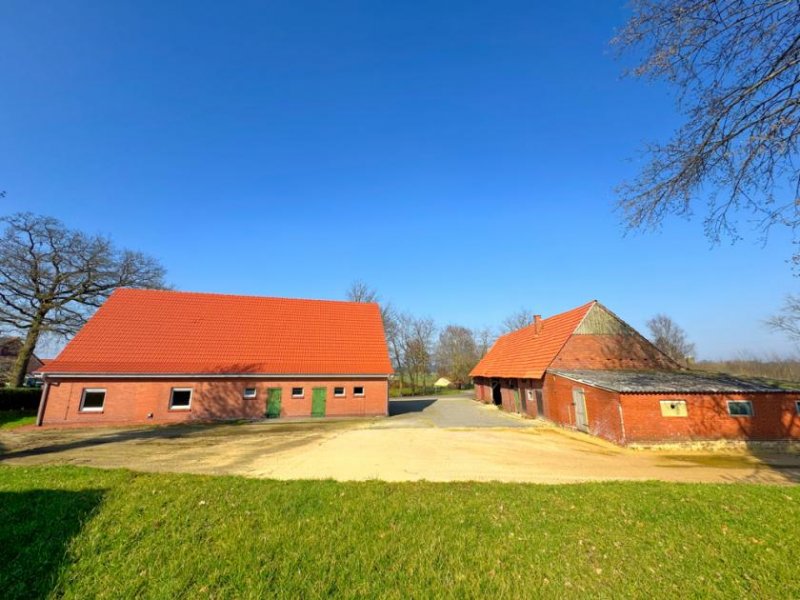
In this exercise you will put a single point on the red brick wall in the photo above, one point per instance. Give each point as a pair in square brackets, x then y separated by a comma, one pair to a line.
[483, 390]
[130, 401]
[602, 407]
[774, 418]
[594, 351]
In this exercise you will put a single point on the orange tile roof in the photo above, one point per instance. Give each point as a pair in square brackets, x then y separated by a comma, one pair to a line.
[525, 354]
[167, 332]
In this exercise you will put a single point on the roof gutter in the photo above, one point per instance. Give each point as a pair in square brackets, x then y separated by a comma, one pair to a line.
[73, 375]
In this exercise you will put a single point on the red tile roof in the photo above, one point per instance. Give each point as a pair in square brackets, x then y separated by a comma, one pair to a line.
[167, 332]
[525, 354]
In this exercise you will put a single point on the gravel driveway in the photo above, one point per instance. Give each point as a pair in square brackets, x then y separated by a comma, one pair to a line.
[447, 439]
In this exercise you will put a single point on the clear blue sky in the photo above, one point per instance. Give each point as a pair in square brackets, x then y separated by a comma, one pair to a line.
[459, 157]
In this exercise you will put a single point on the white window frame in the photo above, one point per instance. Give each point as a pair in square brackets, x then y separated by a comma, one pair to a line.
[752, 409]
[362, 393]
[339, 387]
[172, 394]
[302, 393]
[673, 401]
[253, 395]
[83, 398]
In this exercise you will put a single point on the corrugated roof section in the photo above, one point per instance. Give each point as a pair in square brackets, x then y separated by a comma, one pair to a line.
[669, 382]
[525, 353]
[164, 332]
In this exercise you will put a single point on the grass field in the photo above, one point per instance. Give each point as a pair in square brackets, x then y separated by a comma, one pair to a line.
[84, 533]
[9, 419]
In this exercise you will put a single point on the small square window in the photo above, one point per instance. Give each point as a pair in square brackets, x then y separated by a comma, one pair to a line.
[740, 408]
[180, 399]
[93, 400]
[249, 392]
[297, 392]
[338, 392]
[673, 408]
[358, 390]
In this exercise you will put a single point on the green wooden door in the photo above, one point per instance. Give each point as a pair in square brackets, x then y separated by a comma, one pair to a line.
[318, 402]
[273, 403]
[517, 404]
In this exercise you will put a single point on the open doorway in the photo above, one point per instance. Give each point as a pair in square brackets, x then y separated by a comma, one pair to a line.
[497, 395]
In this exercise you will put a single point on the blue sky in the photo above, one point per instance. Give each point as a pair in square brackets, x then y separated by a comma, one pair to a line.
[461, 158]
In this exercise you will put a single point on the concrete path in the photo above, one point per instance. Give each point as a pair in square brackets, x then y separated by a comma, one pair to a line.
[446, 412]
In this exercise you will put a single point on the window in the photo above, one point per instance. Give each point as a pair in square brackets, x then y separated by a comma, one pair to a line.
[797, 407]
[180, 399]
[740, 408]
[673, 408]
[249, 392]
[358, 390]
[297, 392]
[93, 400]
[338, 392]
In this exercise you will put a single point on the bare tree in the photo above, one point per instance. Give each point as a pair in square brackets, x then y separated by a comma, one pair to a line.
[456, 353]
[787, 321]
[484, 338]
[670, 338]
[53, 278]
[736, 67]
[418, 349]
[359, 291]
[518, 320]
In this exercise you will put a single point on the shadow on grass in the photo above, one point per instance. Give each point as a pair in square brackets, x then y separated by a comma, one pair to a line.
[36, 528]
[402, 407]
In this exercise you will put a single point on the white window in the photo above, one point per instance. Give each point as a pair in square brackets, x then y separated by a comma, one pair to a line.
[338, 392]
[93, 400]
[180, 399]
[674, 408]
[249, 392]
[740, 408]
[358, 390]
[297, 392]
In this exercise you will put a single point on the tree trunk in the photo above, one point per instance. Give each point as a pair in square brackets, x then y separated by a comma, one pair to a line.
[20, 368]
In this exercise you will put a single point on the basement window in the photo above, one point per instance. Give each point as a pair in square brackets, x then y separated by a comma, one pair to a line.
[338, 392]
[740, 408]
[358, 390]
[297, 392]
[93, 400]
[180, 399]
[673, 408]
[249, 392]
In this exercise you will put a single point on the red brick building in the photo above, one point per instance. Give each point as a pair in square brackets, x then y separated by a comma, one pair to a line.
[151, 356]
[588, 369]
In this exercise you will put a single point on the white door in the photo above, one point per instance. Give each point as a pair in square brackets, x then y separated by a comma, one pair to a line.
[579, 401]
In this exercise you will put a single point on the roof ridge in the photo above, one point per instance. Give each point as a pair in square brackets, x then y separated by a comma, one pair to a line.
[241, 296]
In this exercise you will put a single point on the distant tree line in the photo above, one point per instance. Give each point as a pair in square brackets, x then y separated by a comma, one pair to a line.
[419, 348]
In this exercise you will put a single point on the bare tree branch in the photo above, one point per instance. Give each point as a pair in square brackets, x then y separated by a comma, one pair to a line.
[52, 278]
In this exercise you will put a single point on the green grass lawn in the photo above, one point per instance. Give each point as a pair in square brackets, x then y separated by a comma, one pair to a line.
[85, 533]
[10, 419]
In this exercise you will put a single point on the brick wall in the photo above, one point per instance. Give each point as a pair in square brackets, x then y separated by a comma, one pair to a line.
[602, 407]
[774, 418]
[610, 352]
[130, 401]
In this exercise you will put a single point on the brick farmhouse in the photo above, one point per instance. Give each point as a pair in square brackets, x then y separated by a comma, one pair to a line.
[150, 356]
[589, 370]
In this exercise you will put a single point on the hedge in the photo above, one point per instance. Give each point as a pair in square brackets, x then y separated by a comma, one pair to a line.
[20, 398]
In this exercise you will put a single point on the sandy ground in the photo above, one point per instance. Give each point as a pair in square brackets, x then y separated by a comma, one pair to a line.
[452, 439]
